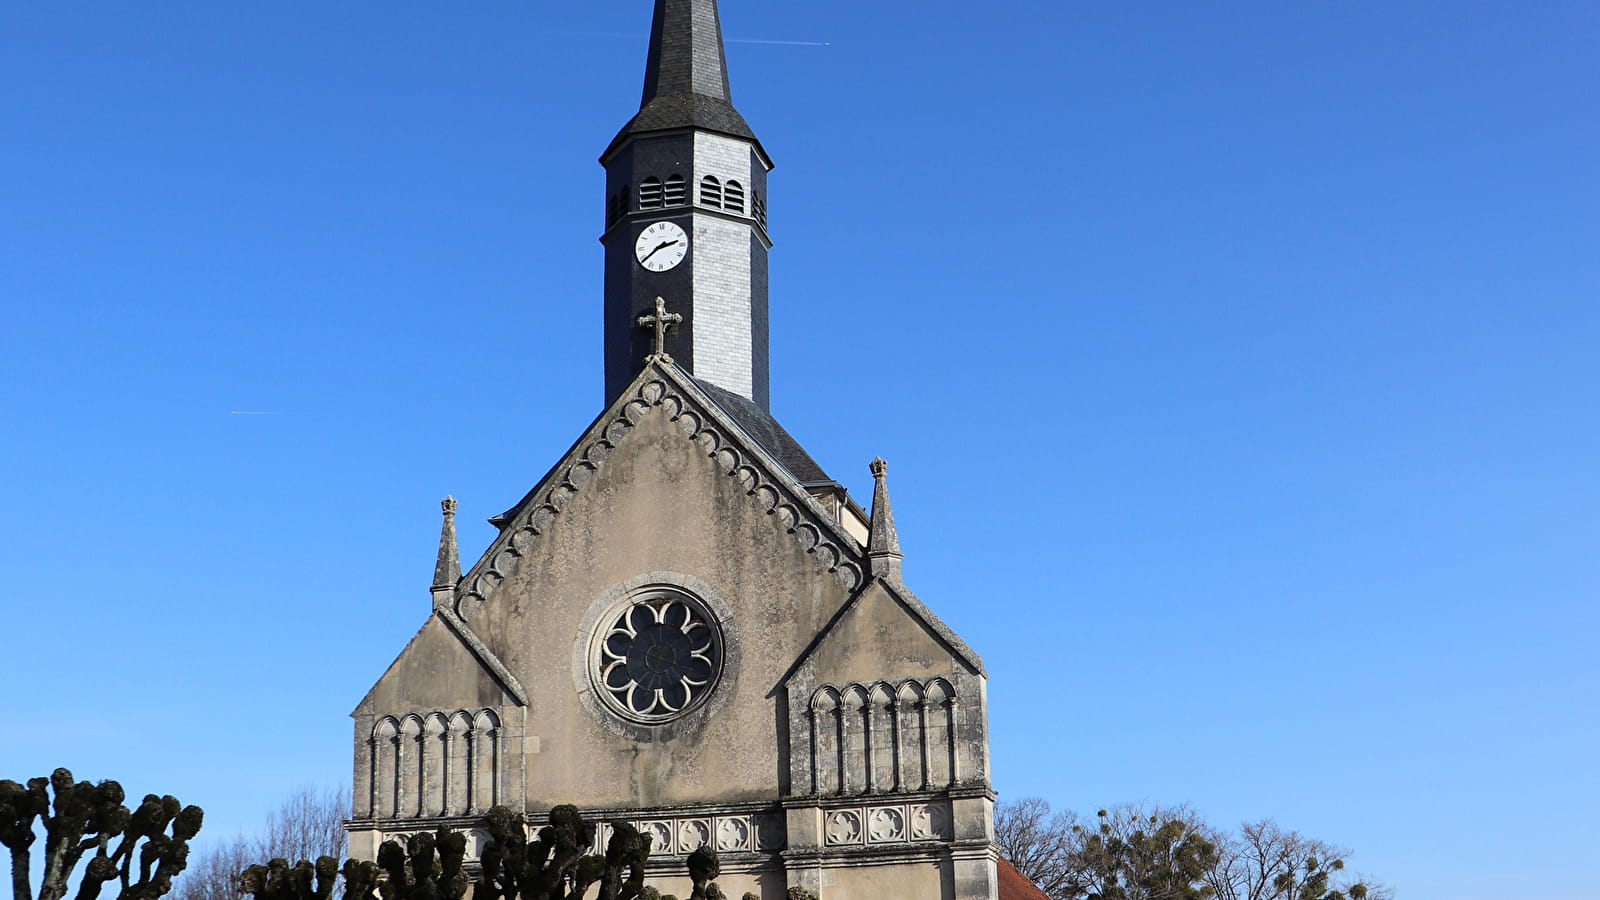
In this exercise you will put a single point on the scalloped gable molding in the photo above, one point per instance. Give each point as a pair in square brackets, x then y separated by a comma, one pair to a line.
[699, 419]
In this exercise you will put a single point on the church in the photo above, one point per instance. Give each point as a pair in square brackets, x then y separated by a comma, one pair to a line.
[687, 624]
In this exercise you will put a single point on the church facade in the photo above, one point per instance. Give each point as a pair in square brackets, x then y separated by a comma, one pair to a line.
[687, 624]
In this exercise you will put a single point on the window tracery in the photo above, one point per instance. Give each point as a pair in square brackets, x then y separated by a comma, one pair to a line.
[658, 657]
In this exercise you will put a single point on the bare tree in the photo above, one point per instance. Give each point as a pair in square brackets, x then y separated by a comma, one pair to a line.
[1042, 844]
[1265, 862]
[308, 825]
[1138, 851]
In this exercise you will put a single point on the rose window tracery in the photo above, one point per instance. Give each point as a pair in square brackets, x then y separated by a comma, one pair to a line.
[659, 657]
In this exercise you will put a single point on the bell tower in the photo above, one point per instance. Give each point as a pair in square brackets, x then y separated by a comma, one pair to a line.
[686, 216]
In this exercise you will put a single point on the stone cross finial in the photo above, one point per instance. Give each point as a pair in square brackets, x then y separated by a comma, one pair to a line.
[448, 504]
[661, 320]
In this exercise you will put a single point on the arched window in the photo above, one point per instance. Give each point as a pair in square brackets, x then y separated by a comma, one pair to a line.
[385, 768]
[939, 733]
[853, 739]
[650, 193]
[458, 765]
[617, 208]
[825, 742]
[677, 192]
[711, 192]
[913, 756]
[733, 197]
[880, 739]
[485, 760]
[408, 768]
[431, 762]
[761, 209]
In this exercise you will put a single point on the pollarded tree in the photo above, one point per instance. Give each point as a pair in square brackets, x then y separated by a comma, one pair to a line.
[554, 866]
[151, 842]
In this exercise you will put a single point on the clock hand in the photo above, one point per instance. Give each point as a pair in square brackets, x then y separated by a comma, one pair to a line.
[658, 249]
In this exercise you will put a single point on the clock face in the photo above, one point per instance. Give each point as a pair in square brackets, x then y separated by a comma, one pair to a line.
[661, 246]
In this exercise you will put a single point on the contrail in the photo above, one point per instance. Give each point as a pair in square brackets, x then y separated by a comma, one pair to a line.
[247, 412]
[782, 43]
[639, 37]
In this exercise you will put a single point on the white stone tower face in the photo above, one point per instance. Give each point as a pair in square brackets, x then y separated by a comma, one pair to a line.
[688, 159]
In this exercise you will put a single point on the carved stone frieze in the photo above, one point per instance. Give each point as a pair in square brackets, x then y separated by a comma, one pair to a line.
[899, 823]
[682, 836]
[752, 833]
[844, 827]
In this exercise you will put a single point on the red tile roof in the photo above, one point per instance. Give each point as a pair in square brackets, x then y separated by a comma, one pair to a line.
[1015, 886]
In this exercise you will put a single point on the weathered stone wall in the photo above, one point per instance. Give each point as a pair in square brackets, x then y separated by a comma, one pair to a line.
[845, 741]
[659, 504]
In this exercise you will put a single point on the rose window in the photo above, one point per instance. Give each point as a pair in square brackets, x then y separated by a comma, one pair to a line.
[659, 657]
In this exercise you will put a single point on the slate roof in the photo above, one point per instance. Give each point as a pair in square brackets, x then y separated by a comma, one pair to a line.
[765, 430]
[686, 52]
[686, 78]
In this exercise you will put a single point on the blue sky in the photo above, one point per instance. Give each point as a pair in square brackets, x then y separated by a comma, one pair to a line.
[1236, 364]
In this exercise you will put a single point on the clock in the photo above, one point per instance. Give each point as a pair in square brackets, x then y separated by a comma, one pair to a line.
[661, 246]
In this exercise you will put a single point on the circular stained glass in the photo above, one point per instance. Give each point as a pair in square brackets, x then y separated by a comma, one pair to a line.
[659, 657]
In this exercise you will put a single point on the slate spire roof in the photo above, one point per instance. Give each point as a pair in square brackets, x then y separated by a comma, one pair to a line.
[686, 78]
[686, 52]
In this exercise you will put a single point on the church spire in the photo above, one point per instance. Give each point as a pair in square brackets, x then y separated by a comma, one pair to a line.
[883, 542]
[447, 571]
[686, 79]
[686, 218]
[686, 52]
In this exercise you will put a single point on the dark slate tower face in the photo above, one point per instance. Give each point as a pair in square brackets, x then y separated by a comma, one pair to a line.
[686, 217]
